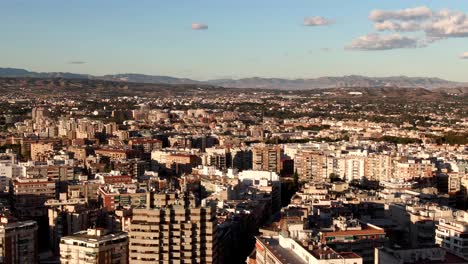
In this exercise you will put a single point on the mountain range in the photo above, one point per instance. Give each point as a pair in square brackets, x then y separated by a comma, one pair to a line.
[255, 82]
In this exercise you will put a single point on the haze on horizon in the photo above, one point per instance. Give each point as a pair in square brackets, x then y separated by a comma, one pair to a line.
[216, 39]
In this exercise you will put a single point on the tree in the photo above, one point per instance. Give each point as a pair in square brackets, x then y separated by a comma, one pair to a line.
[333, 177]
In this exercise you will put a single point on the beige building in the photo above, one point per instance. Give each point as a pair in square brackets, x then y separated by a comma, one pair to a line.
[311, 165]
[266, 158]
[174, 234]
[40, 149]
[18, 241]
[94, 246]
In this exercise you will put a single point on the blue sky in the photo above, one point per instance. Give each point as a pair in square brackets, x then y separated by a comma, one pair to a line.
[244, 38]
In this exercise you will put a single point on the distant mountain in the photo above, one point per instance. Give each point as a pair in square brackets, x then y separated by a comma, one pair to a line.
[337, 82]
[256, 82]
[12, 72]
[142, 78]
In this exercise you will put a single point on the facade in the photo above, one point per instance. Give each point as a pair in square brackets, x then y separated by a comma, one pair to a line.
[30, 194]
[38, 150]
[67, 217]
[174, 234]
[266, 157]
[266, 181]
[453, 236]
[311, 165]
[94, 246]
[18, 241]
[181, 163]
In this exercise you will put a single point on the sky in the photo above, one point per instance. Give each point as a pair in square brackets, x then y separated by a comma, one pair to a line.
[211, 39]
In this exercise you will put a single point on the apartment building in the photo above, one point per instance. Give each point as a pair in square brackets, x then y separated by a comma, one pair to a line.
[453, 236]
[40, 150]
[94, 246]
[145, 144]
[175, 234]
[182, 163]
[311, 165]
[266, 158]
[66, 217]
[18, 241]
[30, 194]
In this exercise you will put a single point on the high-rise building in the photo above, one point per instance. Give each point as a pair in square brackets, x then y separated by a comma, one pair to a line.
[39, 113]
[266, 158]
[174, 233]
[30, 194]
[67, 217]
[311, 165]
[94, 246]
[18, 241]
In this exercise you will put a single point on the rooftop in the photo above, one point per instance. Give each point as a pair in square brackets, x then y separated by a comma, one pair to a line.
[284, 255]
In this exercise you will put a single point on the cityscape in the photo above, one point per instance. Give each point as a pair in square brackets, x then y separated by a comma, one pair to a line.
[227, 162]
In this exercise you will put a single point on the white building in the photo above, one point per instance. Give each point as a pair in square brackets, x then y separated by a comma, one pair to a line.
[283, 249]
[94, 246]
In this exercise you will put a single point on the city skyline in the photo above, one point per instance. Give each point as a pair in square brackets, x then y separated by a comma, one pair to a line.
[211, 40]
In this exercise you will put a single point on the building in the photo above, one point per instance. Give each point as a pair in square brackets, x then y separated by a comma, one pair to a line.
[350, 235]
[182, 163]
[175, 234]
[40, 150]
[30, 194]
[266, 158]
[216, 157]
[18, 241]
[283, 250]
[94, 246]
[116, 154]
[264, 181]
[145, 144]
[311, 165]
[112, 197]
[453, 236]
[66, 217]
[429, 255]
[40, 113]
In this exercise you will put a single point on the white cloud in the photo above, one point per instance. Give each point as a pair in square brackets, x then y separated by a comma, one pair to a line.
[383, 42]
[399, 26]
[447, 23]
[464, 56]
[436, 25]
[433, 25]
[421, 12]
[199, 26]
[317, 21]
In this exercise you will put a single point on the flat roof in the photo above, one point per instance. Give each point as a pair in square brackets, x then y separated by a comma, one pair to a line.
[84, 237]
[284, 255]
